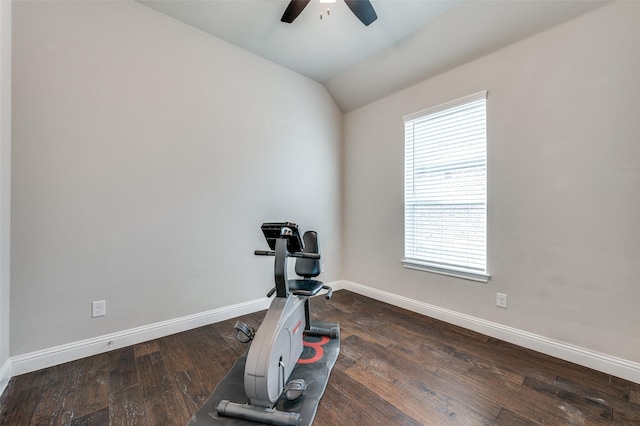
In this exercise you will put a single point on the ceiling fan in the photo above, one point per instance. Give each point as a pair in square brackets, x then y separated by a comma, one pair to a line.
[361, 8]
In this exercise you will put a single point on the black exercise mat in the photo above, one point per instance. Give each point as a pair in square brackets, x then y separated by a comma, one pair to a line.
[317, 360]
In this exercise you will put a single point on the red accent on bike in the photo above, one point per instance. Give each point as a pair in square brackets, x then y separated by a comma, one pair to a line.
[295, 329]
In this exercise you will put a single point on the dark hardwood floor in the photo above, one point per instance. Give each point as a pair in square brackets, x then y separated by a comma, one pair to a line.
[395, 368]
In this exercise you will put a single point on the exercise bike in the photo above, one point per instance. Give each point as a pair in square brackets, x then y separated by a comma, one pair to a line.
[278, 343]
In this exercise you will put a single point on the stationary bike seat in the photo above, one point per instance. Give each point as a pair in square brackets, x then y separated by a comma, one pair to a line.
[308, 288]
[307, 268]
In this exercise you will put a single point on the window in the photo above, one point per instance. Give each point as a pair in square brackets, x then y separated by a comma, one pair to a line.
[445, 203]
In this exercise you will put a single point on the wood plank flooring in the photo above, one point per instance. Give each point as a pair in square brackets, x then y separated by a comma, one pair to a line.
[395, 368]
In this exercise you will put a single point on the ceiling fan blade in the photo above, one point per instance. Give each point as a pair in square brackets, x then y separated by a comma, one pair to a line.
[293, 10]
[363, 10]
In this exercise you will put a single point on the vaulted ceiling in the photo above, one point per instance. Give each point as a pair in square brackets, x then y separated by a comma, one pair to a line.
[410, 41]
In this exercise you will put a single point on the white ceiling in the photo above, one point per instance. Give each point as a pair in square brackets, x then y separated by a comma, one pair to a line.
[410, 41]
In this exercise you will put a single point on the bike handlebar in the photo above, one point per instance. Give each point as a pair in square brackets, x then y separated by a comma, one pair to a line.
[297, 254]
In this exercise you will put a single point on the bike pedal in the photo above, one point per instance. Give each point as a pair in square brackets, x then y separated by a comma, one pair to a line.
[294, 389]
[245, 332]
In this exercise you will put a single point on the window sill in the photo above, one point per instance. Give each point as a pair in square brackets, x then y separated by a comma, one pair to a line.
[458, 273]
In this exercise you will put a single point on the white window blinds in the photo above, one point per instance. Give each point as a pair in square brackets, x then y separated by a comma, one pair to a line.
[445, 188]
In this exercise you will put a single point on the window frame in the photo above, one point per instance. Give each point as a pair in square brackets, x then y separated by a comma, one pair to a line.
[435, 267]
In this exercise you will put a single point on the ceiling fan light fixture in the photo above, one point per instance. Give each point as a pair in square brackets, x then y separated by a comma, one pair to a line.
[361, 8]
[326, 2]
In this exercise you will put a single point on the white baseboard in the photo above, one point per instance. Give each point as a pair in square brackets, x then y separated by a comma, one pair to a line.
[64, 353]
[21, 364]
[608, 364]
[5, 375]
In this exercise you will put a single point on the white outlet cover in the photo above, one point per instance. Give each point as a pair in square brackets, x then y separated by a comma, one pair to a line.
[501, 300]
[98, 308]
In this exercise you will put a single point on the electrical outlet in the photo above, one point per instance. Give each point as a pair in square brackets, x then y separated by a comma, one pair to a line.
[98, 309]
[501, 300]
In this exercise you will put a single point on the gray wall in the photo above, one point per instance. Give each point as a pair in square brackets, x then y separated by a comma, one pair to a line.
[563, 185]
[146, 155]
[5, 178]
